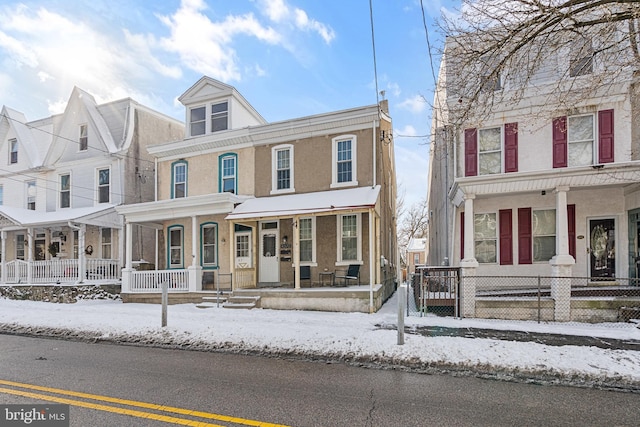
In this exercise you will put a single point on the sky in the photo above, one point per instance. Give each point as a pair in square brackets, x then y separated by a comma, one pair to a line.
[336, 336]
[288, 58]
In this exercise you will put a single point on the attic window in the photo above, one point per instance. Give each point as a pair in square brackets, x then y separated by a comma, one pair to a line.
[219, 116]
[581, 61]
[84, 138]
[197, 121]
[13, 151]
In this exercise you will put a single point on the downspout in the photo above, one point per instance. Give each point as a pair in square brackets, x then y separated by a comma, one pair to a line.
[155, 179]
[372, 260]
[373, 150]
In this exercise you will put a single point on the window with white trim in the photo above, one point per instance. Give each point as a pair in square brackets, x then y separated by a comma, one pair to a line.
[13, 151]
[105, 241]
[209, 243]
[179, 173]
[307, 241]
[104, 185]
[1, 195]
[344, 161]
[219, 116]
[31, 195]
[176, 252]
[580, 140]
[197, 121]
[282, 169]
[65, 190]
[349, 238]
[20, 244]
[83, 143]
[485, 237]
[228, 170]
[543, 229]
[490, 150]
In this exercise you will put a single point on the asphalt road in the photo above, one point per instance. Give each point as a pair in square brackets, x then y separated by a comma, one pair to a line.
[110, 385]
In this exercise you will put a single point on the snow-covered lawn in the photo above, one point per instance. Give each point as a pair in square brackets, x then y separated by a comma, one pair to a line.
[353, 337]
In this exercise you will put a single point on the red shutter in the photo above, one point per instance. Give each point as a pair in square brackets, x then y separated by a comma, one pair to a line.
[571, 219]
[605, 136]
[470, 152]
[511, 147]
[461, 235]
[560, 142]
[506, 237]
[524, 236]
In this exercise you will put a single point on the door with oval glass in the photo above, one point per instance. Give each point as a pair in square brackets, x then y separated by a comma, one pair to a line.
[269, 256]
[602, 248]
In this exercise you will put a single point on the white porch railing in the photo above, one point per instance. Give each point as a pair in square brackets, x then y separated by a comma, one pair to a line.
[151, 281]
[61, 270]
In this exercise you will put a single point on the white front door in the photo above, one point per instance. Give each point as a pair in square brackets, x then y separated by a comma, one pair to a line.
[269, 256]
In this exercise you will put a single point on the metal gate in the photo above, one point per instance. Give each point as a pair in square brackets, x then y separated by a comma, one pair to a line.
[436, 290]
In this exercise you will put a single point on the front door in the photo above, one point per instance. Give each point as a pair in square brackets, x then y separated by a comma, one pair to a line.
[269, 264]
[602, 248]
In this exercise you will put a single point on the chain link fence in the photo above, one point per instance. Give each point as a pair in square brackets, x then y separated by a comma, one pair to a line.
[438, 291]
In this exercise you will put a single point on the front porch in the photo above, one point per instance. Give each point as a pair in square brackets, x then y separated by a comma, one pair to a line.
[60, 271]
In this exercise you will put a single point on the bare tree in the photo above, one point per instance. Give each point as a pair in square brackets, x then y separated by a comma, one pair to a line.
[523, 45]
[413, 223]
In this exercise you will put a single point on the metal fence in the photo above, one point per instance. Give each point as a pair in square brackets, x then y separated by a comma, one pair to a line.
[439, 290]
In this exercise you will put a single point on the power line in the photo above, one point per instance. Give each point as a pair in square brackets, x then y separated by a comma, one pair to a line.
[373, 44]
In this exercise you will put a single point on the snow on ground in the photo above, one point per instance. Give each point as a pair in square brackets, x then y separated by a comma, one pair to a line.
[351, 337]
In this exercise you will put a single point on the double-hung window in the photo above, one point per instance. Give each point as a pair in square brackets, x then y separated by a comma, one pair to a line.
[176, 258]
[581, 57]
[105, 240]
[209, 250]
[13, 151]
[282, 169]
[344, 165]
[197, 121]
[84, 138]
[349, 237]
[179, 186]
[543, 227]
[307, 252]
[490, 150]
[228, 173]
[1, 195]
[485, 237]
[580, 137]
[104, 185]
[220, 116]
[31, 195]
[20, 247]
[65, 190]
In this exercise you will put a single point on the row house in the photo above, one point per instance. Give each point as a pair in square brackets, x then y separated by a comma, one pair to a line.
[538, 188]
[62, 177]
[251, 204]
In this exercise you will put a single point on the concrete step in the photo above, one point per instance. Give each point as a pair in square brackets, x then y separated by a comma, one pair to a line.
[206, 305]
[216, 299]
[246, 302]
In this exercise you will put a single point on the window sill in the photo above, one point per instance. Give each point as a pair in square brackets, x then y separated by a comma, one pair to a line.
[343, 184]
[348, 263]
[287, 191]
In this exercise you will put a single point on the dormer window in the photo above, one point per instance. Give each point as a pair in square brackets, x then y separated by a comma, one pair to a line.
[219, 116]
[197, 121]
[84, 138]
[581, 61]
[13, 151]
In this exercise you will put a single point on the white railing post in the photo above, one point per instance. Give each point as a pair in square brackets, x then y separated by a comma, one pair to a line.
[402, 298]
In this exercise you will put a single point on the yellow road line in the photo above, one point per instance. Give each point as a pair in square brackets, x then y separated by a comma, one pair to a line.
[134, 403]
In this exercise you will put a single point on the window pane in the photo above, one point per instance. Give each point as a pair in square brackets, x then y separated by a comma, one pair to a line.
[209, 235]
[180, 173]
[344, 150]
[344, 172]
[197, 114]
[490, 163]
[103, 176]
[209, 255]
[485, 226]
[175, 238]
[544, 248]
[306, 250]
[580, 154]
[65, 199]
[103, 195]
[64, 182]
[580, 128]
[197, 128]
[306, 228]
[228, 186]
[489, 139]
[544, 222]
[485, 251]
[284, 179]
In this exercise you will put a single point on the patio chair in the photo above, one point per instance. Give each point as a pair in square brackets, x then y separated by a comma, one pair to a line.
[352, 273]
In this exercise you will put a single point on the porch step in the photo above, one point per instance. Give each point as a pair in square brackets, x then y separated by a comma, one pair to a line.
[245, 302]
[213, 301]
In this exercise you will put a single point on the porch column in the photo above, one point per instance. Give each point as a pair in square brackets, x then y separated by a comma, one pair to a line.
[296, 251]
[194, 270]
[121, 244]
[469, 264]
[3, 259]
[127, 271]
[30, 256]
[562, 262]
[82, 257]
[232, 258]
[374, 258]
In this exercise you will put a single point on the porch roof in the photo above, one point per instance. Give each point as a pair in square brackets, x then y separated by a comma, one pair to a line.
[103, 215]
[307, 203]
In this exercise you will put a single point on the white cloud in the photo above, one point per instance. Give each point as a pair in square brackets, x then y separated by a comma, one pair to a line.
[280, 12]
[43, 76]
[205, 46]
[394, 88]
[408, 130]
[416, 104]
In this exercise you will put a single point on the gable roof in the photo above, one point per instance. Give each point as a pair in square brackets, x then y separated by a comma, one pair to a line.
[12, 119]
[207, 89]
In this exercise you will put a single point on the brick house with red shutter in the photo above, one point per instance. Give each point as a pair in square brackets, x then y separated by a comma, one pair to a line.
[537, 188]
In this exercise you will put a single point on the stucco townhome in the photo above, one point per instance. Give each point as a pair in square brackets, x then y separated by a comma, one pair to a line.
[62, 177]
[537, 187]
[275, 210]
